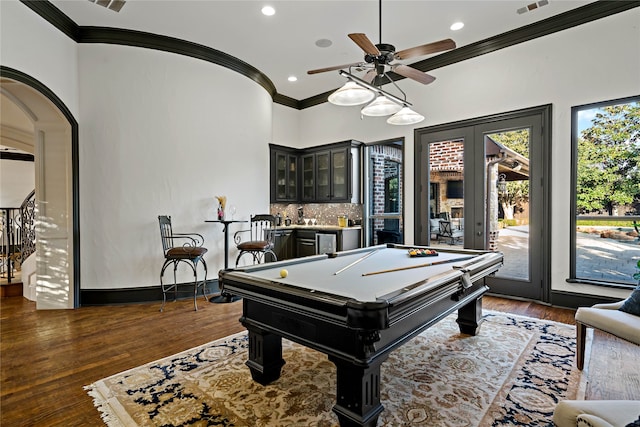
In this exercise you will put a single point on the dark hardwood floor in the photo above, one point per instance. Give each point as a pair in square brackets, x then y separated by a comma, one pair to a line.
[46, 357]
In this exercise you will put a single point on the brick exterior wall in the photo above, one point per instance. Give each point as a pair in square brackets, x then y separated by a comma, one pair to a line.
[447, 164]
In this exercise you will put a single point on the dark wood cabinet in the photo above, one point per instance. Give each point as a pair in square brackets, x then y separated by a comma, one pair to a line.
[333, 175]
[284, 244]
[308, 174]
[327, 173]
[305, 243]
[298, 242]
[284, 175]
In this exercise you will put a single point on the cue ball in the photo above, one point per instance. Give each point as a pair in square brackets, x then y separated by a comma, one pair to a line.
[284, 273]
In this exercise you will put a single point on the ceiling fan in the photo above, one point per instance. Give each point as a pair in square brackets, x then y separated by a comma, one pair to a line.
[380, 57]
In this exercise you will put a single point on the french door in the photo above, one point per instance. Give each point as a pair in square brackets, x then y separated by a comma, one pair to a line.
[483, 184]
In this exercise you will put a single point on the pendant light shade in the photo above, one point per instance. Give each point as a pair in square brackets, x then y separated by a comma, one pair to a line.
[351, 94]
[406, 116]
[381, 106]
[357, 91]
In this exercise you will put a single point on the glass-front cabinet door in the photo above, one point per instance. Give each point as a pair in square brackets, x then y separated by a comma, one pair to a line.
[323, 176]
[308, 177]
[339, 175]
[284, 176]
[292, 177]
[281, 176]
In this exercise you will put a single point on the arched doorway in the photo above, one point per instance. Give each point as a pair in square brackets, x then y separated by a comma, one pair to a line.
[53, 140]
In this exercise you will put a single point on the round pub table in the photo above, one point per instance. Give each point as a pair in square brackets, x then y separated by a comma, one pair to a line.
[225, 297]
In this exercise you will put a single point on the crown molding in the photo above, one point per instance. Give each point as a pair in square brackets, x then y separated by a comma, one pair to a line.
[16, 156]
[573, 18]
[582, 15]
[142, 39]
[54, 16]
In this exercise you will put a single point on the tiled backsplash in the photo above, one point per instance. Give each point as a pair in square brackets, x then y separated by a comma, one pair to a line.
[324, 213]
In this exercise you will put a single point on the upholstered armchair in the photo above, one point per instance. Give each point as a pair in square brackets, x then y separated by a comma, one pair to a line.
[608, 318]
[621, 319]
[596, 413]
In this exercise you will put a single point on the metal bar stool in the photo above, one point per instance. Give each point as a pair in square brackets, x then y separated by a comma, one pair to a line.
[190, 252]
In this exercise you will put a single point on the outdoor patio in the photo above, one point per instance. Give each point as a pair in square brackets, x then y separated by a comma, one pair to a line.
[602, 259]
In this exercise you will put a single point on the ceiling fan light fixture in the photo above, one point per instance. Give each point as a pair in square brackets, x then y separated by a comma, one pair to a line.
[381, 106]
[351, 94]
[406, 116]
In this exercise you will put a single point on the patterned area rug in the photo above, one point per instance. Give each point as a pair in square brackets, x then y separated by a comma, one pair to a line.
[513, 373]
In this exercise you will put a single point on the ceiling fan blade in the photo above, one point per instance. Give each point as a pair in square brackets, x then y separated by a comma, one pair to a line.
[426, 49]
[371, 74]
[365, 44]
[412, 73]
[336, 67]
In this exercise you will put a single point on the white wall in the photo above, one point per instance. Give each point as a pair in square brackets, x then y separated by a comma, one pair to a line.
[286, 126]
[593, 62]
[17, 180]
[163, 134]
[31, 45]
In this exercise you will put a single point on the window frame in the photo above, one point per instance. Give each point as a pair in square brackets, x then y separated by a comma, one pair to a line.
[575, 110]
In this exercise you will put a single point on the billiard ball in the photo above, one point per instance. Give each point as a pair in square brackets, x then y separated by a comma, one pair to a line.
[284, 273]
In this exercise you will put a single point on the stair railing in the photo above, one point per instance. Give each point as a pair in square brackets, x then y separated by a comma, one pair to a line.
[17, 235]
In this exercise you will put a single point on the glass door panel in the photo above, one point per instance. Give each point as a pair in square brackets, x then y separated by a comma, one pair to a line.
[508, 200]
[446, 193]
[504, 205]
[384, 192]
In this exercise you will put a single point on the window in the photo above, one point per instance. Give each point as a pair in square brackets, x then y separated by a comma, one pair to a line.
[391, 186]
[454, 190]
[605, 222]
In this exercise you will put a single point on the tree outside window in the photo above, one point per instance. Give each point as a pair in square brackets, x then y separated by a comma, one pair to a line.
[606, 185]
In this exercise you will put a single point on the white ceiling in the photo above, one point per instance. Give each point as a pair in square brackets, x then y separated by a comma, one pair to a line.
[284, 44]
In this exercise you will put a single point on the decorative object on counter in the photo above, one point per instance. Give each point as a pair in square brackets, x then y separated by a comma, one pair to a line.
[300, 215]
[222, 203]
[278, 219]
[342, 220]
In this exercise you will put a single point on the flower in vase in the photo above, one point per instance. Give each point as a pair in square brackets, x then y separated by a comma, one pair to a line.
[222, 202]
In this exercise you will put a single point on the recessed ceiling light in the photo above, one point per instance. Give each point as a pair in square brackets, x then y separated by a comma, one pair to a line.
[292, 78]
[268, 10]
[456, 26]
[323, 42]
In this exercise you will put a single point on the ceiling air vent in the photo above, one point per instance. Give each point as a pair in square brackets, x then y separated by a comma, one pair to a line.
[532, 6]
[114, 5]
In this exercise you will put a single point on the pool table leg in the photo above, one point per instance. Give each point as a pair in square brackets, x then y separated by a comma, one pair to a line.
[358, 393]
[470, 317]
[265, 355]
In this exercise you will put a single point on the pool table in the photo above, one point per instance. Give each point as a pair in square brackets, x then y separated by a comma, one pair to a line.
[356, 306]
